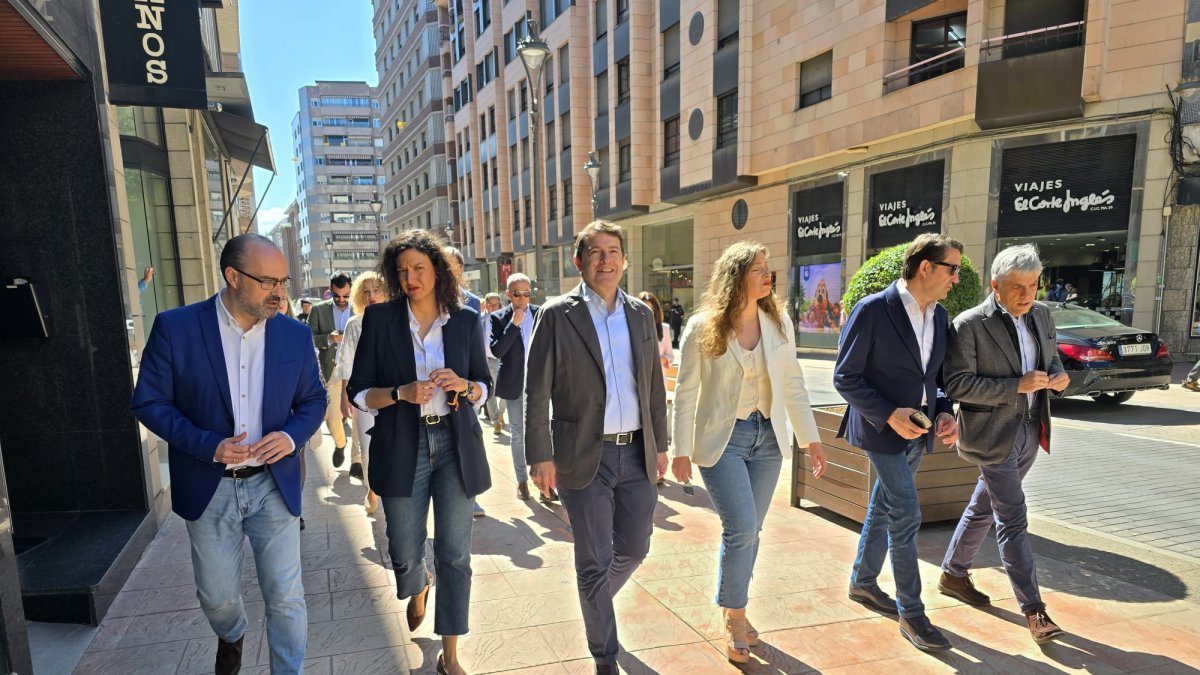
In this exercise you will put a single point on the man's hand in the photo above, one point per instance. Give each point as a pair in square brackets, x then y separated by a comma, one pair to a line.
[662, 465]
[681, 468]
[1059, 382]
[272, 447]
[946, 429]
[817, 454]
[335, 338]
[900, 423]
[543, 475]
[347, 409]
[231, 451]
[1033, 381]
[519, 315]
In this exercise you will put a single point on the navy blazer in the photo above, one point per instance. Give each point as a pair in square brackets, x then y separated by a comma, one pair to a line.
[879, 369]
[182, 396]
[508, 346]
[385, 358]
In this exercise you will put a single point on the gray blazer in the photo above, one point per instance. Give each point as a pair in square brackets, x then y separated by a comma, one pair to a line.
[320, 321]
[981, 372]
[565, 369]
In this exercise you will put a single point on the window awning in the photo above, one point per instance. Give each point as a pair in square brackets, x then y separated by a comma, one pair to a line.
[233, 116]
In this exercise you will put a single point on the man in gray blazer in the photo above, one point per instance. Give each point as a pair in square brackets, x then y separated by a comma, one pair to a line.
[1001, 362]
[328, 321]
[596, 356]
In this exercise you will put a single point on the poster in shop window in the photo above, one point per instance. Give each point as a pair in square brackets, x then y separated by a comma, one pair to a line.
[818, 298]
[905, 203]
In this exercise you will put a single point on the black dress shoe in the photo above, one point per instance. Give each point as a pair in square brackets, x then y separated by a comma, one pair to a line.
[356, 470]
[873, 596]
[339, 456]
[547, 498]
[605, 669]
[229, 657]
[523, 491]
[919, 631]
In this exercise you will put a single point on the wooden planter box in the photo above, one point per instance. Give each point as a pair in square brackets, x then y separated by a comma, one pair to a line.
[944, 482]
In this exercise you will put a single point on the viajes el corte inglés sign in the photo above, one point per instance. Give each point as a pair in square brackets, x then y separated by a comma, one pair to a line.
[906, 202]
[817, 220]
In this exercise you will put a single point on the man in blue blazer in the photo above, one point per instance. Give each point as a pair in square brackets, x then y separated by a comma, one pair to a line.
[889, 370]
[511, 330]
[236, 392]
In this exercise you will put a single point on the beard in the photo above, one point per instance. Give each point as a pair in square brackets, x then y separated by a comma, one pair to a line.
[261, 310]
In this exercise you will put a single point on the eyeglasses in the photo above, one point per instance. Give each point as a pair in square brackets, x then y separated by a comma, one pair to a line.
[266, 284]
[953, 268]
[521, 294]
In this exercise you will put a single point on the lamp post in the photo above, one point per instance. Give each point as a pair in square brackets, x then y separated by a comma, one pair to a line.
[451, 233]
[329, 254]
[534, 53]
[377, 207]
[307, 266]
[592, 166]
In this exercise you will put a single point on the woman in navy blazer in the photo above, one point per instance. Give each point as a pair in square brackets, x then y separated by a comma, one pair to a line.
[421, 365]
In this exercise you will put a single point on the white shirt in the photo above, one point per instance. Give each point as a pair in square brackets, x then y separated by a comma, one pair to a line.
[922, 325]
[245, 354]
[487, 334]
[755, 392]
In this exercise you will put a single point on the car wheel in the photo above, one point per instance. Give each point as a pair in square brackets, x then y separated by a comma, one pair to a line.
[1113, 399]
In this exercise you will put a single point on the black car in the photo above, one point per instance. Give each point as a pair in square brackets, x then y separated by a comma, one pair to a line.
[1106, 359]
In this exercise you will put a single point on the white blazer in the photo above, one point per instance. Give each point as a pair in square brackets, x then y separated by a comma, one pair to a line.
[706, 393]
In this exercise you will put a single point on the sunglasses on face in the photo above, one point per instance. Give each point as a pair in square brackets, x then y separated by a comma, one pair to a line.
[340, 297]
[953, 268]
[521, 294]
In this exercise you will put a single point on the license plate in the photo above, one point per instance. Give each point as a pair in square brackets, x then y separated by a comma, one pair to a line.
[1135, 349]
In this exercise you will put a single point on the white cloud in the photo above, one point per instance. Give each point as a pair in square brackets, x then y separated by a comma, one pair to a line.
[269, 218]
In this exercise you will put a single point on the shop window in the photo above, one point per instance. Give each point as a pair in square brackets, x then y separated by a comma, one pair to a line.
[140, 122]
[727, 119]
[939, 41]
[816, 80]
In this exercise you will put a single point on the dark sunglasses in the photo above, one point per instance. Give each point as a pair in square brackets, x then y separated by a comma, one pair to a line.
[521, 294]
[340, 297]
[953, 268]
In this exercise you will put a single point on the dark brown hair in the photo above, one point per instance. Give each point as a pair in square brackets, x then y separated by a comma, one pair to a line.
[656, 307]
[597, 227]
[446, 284]
[931, 247]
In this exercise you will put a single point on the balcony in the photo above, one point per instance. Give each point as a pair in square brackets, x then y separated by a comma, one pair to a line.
[1029, 77]
[934, 66]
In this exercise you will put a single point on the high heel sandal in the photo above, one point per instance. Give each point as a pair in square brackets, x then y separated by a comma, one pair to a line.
[735, 638]
[751, 634]
[415, 613]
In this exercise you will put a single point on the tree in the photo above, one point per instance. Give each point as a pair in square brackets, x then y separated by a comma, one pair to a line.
[887, 265]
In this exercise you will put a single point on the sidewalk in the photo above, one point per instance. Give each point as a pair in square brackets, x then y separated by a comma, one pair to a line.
[525, 614]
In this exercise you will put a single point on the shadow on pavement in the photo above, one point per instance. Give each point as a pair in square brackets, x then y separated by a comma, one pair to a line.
[1109, 566]
[1131, 413]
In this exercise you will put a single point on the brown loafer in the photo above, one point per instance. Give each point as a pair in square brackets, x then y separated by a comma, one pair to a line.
[416, 606]
[229, 657]
[1041, 626]
[523, 491]
[963, 589]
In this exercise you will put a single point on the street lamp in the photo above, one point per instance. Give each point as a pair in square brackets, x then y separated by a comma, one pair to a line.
[534, 53]
[592, 167]
[377, 207]
[451, 233]
[329, 254]
[307, 266]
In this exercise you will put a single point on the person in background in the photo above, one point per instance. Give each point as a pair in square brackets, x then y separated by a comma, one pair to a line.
[420, 364]
[328, 321]
[675, 319]
[1057, 292]
[740, 344]
[492, 410]
[1070, 294]
[469, 300]
[144, 282]
[305, 309]
[666, 353]
[366, 290]
[511, 331]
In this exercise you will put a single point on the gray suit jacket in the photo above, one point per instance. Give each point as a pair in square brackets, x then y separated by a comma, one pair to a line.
[981, 372]
[565, 369]
[320, 320]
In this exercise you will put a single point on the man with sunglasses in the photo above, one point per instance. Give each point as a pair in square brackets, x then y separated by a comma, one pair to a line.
[327, 321]
[236, 393]
[889, 370]
[511, 330]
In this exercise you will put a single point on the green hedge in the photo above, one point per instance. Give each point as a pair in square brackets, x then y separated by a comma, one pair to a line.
[886, 266]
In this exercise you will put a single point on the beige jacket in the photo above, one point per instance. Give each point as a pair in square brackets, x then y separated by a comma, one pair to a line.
[706, 392]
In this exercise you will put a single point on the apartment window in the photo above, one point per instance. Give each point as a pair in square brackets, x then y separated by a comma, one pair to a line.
[602, 157]
[548, 69]
[528, 213]
[566, 194]
[670, 38]
[565, 124]
[512, 160]
[622, 11]
[491, 121]
[524, 96]
[600, 12]
[510, 47]
[671, 142]
[623, 81]
[550, 147]
[934, 38]
[624, 163]
[483, 16]
[602, 93]
[552, 203]
[564, 65]
[816, 80]
[727, 23]
[512, 104]
[727, 123]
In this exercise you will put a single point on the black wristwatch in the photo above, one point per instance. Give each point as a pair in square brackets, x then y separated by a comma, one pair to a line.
[396, 394]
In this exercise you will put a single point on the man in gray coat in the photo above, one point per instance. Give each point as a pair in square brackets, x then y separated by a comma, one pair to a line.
[1001, 362]
[328, 321]
[593, 356]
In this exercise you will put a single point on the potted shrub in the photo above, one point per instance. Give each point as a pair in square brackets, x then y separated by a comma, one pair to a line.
[944, 482]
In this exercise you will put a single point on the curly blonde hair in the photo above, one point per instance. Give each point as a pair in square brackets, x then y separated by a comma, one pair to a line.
[725, 296]
[358, 290]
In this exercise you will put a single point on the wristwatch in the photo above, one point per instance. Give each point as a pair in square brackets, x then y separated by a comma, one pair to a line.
[396, 394]
[470, 390]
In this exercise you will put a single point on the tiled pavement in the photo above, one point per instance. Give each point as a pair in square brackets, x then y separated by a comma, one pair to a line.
[525, 616]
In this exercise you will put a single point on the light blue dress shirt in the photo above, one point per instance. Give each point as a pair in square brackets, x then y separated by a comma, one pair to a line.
[622, 411]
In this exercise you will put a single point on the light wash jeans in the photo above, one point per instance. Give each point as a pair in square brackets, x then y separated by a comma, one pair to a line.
[740, 485]
[893, 519]
[516, 426]
[492, 406]
[252, 507]
[439, 479]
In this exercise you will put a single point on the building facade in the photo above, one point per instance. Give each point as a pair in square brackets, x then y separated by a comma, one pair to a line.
[338, 169]
[408, 59]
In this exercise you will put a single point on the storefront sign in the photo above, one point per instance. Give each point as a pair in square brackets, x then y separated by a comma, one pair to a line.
[1067, 188]
[154, 53]
[817, 217]
[906, 202]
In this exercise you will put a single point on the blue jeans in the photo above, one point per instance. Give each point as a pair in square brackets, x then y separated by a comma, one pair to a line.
[999, 496]
[893, 519]
[439, 479]
[516, 426]
[252, 507]
[740, 485]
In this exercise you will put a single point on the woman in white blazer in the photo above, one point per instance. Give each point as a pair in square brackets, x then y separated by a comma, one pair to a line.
[738, 378]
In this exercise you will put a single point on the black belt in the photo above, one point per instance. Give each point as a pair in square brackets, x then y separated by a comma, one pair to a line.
[434, 420]
[245, 471]
[623, 438]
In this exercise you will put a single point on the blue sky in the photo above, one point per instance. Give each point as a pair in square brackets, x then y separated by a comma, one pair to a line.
[287, 44]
